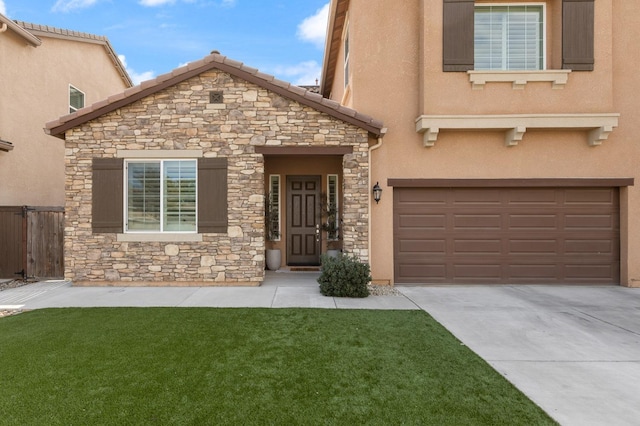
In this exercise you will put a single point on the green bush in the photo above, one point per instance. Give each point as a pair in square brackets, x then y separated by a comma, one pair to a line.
[344, 276]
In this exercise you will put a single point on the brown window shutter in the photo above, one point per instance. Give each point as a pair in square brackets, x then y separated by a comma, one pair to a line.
[212, 195]
[577, 34]
[457, 35]
[106, 206]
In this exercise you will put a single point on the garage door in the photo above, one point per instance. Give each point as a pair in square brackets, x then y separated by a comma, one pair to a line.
[507, 235]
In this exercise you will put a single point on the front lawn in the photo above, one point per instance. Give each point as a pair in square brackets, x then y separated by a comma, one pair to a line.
[246, 366]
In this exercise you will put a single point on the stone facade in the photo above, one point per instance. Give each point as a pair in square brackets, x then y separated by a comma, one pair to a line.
[181, 118]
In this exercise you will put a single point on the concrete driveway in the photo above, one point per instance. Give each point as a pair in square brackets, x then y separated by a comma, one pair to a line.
[575, 351]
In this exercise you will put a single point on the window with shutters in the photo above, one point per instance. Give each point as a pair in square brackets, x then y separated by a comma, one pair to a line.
[161, 196]
[509, 37]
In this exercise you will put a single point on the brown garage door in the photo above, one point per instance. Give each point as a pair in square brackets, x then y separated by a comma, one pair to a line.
[507, 235]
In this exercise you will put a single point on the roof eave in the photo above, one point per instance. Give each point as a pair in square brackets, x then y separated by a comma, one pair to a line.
[24, 34]
[5, 146]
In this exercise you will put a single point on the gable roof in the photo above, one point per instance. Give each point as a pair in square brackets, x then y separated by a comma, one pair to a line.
[31, 33]
[337, 17]
[213, 61]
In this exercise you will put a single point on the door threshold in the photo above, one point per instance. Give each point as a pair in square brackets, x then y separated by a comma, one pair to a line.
[303, 268]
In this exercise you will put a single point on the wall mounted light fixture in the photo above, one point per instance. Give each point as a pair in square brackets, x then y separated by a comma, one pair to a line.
[377, 192]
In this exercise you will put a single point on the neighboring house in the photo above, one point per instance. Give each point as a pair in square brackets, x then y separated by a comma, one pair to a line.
[167, 181]
[46, 72]
[511, 150]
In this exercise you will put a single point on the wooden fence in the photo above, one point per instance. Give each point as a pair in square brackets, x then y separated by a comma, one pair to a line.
[31, 242]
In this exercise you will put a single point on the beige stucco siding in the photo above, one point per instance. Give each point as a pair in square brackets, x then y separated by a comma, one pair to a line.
[34, 82]
[399, 78]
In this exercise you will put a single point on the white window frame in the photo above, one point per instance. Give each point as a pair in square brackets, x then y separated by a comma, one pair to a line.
[71, 107]
[275, 179]
[337, 201]
[544, 30]
[161, 161]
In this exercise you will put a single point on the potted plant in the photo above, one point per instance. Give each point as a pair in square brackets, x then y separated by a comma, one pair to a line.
[272, 233]
[331, 225]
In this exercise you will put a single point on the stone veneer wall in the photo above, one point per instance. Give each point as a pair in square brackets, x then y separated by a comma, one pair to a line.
[181, 118]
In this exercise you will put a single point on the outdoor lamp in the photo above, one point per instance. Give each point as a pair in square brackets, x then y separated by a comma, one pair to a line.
[377, 192]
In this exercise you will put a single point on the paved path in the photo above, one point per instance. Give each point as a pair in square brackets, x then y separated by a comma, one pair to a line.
[575, 351]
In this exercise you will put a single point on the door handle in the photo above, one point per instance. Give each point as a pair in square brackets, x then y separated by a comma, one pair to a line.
[317, 233]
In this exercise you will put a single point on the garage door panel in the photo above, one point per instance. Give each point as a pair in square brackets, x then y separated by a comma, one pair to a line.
[480, 247]
[423, 246]
[471, 196]
[417, 196]
[508, 235]
[590, 221]
[475, 221]
[547, 247]
[534, 196]
[594, 196]
[518, 221]
[422, 221]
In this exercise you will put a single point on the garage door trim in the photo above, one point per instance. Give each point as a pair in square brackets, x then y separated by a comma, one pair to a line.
[510, 183]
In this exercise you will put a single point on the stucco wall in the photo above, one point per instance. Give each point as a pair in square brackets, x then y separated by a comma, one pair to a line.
[399, 77]
[181, 118]
[35, 90]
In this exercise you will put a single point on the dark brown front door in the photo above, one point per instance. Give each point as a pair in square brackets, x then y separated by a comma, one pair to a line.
[303, 236]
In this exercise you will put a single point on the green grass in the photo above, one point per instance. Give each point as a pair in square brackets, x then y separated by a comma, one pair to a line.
[246, 366]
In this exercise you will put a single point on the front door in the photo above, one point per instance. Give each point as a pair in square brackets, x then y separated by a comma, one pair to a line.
[303, 222]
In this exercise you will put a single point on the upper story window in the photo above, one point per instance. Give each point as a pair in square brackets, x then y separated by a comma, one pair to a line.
[509, 37]
[76, 99]
[512, 36]
[161, 196]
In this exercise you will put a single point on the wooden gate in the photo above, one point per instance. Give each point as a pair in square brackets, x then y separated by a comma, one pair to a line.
[31, 242]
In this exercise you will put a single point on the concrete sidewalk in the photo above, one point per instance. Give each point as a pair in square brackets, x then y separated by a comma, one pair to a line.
[279, 290]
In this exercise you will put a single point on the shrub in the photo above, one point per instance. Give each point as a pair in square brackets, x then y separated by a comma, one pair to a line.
[344, 276]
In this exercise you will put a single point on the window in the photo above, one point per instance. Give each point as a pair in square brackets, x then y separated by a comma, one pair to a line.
[333, 221]
[274, 208]
[161, 196]
[346, 59]
[509, 37]
[76, 99]
[500, 39]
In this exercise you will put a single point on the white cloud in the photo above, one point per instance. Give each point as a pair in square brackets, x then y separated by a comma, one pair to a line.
[136, 77]
[302, 74]
[69, 5]
[314, 28]
[3, 8]
[152, 3]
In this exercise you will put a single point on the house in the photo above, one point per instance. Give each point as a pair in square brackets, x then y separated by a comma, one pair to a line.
[511, 152]
[166, 182]
[47, 72]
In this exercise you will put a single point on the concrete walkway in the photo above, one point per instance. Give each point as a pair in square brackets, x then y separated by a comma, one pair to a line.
[279, 290]
[575, 351]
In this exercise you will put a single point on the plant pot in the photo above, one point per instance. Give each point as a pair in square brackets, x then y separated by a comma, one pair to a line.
[333, 253]
[274, 258]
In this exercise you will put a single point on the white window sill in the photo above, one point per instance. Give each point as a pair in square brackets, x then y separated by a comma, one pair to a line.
[159, 237]
[519, 79]
[598, 126]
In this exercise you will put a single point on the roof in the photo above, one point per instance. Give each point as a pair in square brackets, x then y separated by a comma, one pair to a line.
[31, 33]
[26, 35]
[337, 17]
[214, 61]
[5, 146]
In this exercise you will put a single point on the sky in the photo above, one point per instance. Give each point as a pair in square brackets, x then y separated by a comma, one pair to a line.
[284, 38]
